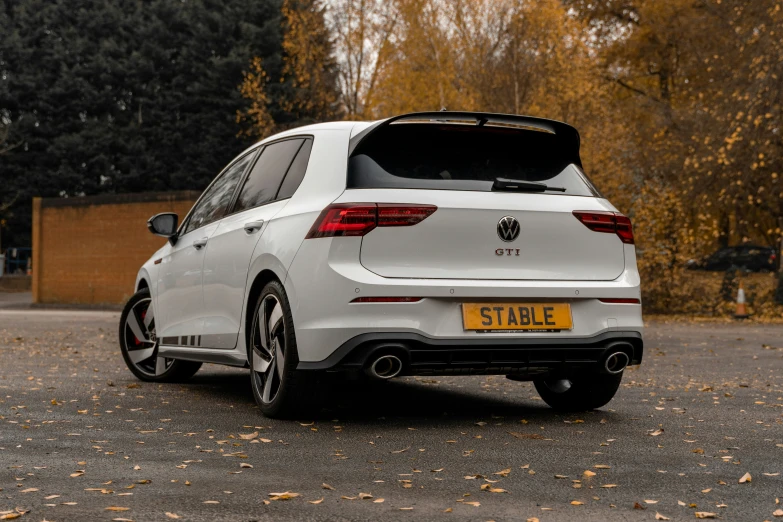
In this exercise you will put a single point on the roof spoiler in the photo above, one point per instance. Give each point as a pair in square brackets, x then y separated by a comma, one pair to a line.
[568, 133]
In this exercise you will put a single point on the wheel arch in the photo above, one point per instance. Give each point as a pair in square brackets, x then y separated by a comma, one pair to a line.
[142, 284]
[262, 278]
[143, 280]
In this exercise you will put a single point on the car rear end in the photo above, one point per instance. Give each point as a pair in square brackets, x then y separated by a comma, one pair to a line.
[468, 244]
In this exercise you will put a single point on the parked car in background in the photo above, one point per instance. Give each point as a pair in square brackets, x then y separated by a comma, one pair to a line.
[751, 258]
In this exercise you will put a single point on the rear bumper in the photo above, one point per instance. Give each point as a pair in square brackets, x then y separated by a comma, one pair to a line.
[325, 277]
[515, 356]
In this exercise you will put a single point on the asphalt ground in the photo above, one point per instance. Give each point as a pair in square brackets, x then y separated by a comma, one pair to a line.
[82, 439]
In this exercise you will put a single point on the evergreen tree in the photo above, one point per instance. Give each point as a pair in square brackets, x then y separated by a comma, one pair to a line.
[125, 95]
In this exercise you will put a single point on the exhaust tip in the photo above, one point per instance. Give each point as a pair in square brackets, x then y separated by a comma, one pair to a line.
[385, 367]
[616, 362]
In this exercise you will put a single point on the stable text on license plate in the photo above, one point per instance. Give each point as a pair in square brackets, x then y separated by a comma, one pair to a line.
[516, 316]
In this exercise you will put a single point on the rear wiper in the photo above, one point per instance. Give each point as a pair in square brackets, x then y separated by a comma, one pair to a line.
[523, 186]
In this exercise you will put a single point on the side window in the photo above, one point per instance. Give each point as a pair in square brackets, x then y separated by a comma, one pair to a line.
[297, 171]
[264, 180]
[214, 203]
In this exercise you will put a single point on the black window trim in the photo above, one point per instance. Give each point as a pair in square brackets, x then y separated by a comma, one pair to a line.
[232, 206]
[246, 153]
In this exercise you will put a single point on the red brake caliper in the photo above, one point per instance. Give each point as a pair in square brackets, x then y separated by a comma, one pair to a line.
[136, 339]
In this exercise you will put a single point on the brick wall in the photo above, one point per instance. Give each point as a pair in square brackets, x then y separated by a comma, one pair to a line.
[88, 250]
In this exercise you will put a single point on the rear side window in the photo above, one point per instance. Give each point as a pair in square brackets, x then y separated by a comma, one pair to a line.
[462, 157]
[267, 174]
[297, 171]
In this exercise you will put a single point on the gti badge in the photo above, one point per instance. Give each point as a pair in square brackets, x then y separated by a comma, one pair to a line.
[508, 228]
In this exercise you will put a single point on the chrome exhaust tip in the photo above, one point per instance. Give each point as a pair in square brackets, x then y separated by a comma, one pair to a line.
[616, 362]
[385, 367]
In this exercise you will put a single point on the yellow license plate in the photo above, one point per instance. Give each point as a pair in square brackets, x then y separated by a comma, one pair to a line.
[516, 316]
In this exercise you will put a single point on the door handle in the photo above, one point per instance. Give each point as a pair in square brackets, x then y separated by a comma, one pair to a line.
[254, 226]
[200, 243]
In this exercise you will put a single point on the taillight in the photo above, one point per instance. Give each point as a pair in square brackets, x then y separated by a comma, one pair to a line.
[605, 221]
[357, 219]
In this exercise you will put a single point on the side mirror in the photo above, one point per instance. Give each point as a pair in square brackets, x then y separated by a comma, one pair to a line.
[164, 224]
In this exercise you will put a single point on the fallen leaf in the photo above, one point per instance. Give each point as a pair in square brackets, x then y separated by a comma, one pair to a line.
[650, 501]
[658, 516]
[248, 436]
[503, 473]
[365, 496]
[519, 435]
[327, 486]
[488, 487]
[777, 513]
[245, 465]
[402, 450]
[117, 508]
[172, 515]
[316, 501]
[705, 514]
[283, 496]
[588, 473]
[608, 486]
[576, 503]
[601, 466]
[655, 433]
[745, 478]
[378, 501]
[636, 505]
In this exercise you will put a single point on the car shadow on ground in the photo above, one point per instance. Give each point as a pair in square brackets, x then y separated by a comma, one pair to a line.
[427, 401]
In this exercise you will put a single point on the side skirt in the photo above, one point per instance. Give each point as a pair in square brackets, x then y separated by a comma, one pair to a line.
[203, 355]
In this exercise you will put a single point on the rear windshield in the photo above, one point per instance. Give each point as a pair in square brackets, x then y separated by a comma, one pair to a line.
[462, 157]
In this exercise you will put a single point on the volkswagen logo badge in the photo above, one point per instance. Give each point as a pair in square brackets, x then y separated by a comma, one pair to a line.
[508, 228]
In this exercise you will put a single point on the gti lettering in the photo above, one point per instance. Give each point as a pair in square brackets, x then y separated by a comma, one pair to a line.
[508, 251]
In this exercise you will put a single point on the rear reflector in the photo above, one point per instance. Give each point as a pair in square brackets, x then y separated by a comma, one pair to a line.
[619, 300]
[387, 300]
[605, 221]
[357, 219]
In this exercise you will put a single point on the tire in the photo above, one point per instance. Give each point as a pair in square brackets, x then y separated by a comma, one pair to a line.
[581, 393]
[280, 390]
[139, 344]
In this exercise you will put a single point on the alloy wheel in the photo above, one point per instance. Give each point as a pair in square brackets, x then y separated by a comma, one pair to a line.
[141, 342]
[268, 346]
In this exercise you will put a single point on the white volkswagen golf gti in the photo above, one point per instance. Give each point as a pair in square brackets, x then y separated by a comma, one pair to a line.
[423, 244]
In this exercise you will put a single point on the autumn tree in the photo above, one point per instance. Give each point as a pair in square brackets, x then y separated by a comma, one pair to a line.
[363, 31]
[307, 85]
